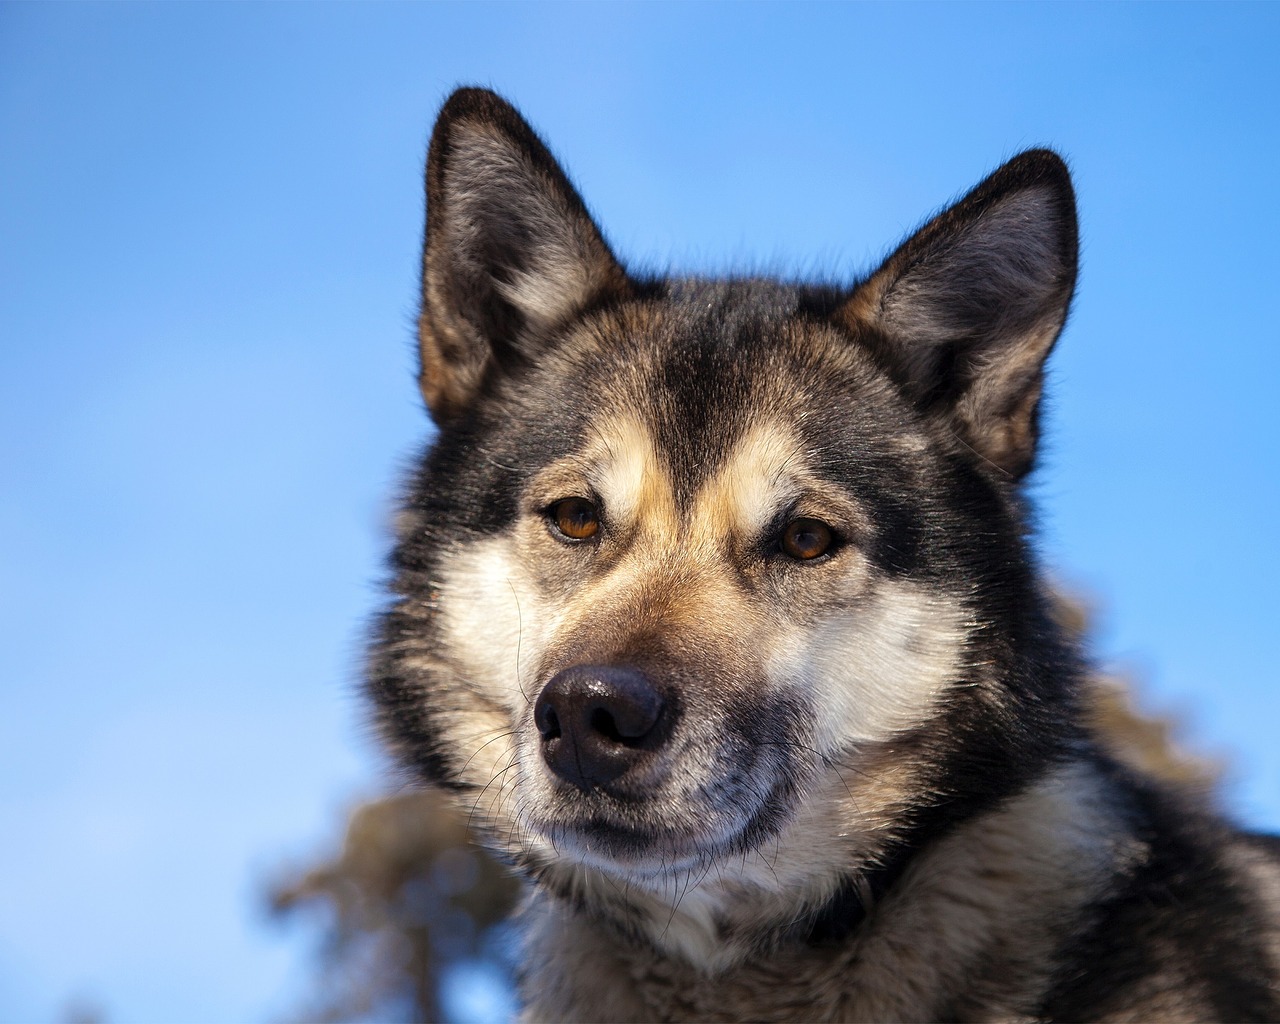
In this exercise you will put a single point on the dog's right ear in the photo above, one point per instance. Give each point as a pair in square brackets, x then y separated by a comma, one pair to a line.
[968, 308]
[510, 254]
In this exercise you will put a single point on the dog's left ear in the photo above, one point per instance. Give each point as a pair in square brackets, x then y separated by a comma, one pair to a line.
[967, 309]
[511, 253]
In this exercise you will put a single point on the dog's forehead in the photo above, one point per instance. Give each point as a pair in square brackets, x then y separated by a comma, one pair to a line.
[734, 379]
[711, 403]
[738, 491]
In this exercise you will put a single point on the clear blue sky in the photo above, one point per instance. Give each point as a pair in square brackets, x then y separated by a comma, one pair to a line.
[209, 225]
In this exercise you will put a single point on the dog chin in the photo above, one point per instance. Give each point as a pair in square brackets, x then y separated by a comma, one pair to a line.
[616, 849]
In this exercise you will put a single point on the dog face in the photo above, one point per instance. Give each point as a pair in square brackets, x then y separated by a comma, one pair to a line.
[693, 566]
[696, 585]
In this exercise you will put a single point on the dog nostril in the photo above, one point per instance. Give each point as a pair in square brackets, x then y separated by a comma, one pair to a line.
[627, 723]
[548, 721]
[602, 722]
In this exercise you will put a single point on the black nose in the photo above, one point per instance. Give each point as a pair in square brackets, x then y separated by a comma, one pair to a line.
[599, 721]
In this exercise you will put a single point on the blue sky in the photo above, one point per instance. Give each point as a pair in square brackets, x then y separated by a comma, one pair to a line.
[209, 229]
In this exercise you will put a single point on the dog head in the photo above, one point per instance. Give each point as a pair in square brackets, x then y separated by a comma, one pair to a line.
[690, 563]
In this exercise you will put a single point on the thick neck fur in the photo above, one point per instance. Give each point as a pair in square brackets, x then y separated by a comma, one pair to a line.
[973, 913]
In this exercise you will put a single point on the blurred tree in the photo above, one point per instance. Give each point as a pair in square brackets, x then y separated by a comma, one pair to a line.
[409, 897]
[1151, 743]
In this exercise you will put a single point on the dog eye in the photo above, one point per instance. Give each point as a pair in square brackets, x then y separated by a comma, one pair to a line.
[574, 518]
[806, 539]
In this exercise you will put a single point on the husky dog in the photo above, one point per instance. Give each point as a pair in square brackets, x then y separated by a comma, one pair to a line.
[713, 603]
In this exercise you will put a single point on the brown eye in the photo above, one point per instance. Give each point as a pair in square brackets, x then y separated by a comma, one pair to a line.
[806, 539]
[575, 518]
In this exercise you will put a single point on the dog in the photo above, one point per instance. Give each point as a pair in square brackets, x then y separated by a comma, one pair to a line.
[714, 603]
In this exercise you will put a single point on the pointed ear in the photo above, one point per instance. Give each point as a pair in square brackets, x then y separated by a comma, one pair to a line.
[510, 254]
[968, 308]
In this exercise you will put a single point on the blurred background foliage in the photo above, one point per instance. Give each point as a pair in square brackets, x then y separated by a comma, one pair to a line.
[410, 899]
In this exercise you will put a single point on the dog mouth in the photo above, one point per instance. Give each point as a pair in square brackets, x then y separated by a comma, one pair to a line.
[657, 844]
[663, 822]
